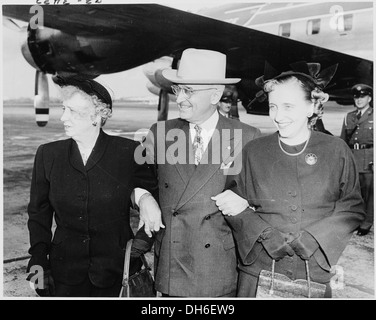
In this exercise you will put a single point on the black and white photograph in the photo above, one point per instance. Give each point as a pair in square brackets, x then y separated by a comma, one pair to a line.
[187, 149]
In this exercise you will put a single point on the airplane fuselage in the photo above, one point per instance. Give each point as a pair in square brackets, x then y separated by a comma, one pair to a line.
[345, 27]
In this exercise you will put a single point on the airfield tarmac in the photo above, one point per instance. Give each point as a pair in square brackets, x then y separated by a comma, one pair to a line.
[21, 137]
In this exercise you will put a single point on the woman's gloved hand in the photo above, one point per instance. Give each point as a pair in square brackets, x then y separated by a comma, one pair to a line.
[276, 243]
[304, 245]
[142, 243]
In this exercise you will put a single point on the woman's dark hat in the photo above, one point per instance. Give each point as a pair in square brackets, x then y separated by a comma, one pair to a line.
[89, 86]
[310, 70]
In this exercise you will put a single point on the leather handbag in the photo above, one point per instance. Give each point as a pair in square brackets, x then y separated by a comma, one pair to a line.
[278, 286]
[139, 284]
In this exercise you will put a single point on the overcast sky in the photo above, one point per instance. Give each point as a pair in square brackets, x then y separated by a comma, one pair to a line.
[18, 75]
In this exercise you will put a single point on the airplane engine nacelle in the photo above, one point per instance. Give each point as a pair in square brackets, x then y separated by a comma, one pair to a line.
[153, 88]
[153, 71]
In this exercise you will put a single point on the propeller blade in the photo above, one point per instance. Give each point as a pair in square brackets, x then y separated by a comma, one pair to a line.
[41, 99]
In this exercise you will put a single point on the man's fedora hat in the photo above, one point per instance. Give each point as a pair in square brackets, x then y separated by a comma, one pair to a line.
[199, 66]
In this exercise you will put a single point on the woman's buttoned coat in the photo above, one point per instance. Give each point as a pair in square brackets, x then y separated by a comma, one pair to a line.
[316, 191]
[90, 204]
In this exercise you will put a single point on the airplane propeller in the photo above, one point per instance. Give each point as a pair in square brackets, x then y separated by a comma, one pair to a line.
[158, 85]
[41, 99]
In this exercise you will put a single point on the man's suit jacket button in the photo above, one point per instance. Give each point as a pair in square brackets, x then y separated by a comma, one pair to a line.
[208, 217]
[293, 220]
[175, 214]
[207, 245]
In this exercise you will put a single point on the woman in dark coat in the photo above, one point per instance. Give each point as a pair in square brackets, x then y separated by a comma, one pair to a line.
[302, 187]
[85, 183]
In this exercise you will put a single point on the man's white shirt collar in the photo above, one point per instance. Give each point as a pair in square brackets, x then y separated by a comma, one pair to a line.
[207, 127]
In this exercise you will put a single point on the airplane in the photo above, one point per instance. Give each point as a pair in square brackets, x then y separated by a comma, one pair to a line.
[90, 40]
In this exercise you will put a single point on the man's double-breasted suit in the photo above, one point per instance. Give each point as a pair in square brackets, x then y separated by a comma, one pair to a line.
[195, 252]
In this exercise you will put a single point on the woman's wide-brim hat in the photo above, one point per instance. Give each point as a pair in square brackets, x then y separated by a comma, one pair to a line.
[198, 66]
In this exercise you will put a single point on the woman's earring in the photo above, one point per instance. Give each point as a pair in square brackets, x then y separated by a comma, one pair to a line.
[310, 115]
[94, 123]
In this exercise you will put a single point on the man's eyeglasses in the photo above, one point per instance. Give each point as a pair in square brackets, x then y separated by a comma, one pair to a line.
[187, 91]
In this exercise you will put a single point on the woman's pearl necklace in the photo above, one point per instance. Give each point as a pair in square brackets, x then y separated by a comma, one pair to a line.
[294, 154]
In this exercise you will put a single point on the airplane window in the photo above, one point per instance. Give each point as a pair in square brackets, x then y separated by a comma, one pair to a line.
[344, 22]
[348, 21]
[285, 29]
[313, 26]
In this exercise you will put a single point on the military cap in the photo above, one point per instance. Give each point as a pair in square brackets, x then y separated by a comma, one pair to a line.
[228, 95]
[361, 89]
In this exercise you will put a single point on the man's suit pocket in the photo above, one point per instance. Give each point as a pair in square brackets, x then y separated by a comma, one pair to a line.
[228, 241]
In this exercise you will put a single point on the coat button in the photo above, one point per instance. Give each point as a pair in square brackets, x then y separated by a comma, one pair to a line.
[175, 214]
[292, 193]
[294, 207]
[208, 217]
[207, 245]
[166, 185]
[294, 220]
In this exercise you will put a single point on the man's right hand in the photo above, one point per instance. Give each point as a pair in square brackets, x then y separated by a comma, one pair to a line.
[277, 245]
[150, 214]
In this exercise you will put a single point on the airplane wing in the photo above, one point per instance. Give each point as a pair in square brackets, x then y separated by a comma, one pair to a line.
[101, 39]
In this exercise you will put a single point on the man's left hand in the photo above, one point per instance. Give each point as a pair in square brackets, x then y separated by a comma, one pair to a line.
[230, 203]
[150, 214]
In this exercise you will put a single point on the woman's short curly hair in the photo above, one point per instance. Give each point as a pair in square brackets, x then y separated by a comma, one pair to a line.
[312, 93]
[99, 108]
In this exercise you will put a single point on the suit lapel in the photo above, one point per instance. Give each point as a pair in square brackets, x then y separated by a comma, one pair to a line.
[96, 154]
[365, 115]
[75, 157]
[98, 150]
[204, 172]
[185, 167]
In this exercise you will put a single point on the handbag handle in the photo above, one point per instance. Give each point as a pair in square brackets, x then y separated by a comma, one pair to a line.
[271, 290]
[127, 260]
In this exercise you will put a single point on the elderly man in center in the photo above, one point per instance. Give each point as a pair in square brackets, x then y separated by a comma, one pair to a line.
[195, 253]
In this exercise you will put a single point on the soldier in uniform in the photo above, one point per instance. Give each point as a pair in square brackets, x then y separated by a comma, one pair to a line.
[357, 131]
[228, 104]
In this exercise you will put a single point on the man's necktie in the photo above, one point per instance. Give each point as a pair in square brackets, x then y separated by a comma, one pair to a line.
[198, 145]
[358, 115]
